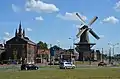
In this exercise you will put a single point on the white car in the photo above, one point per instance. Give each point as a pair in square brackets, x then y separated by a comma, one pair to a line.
[66, 65]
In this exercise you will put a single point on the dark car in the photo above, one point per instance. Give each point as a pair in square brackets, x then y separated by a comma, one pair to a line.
[102, 64]
[29, 67]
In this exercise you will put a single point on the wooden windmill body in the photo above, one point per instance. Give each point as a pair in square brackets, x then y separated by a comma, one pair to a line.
[83, 47]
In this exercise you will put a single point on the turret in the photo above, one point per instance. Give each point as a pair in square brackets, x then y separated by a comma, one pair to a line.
[20, 30]
[23, 33]
[16, 32]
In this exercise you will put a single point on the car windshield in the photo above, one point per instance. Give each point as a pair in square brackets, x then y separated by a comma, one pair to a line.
[68, 63]
[30, 64]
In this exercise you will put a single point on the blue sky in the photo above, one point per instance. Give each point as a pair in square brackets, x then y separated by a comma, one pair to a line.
[54, 21]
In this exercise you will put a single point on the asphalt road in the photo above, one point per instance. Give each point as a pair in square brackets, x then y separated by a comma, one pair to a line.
[17, 67]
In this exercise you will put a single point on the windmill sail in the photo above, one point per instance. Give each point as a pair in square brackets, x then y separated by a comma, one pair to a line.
[83, 22]
[93, 20]
[80, 32]
[94, 34]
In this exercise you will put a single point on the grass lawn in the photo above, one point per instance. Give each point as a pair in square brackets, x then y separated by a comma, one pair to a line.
[80, 62]
[100, 73]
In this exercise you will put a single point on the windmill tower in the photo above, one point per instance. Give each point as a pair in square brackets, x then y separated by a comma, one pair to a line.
[84, 46]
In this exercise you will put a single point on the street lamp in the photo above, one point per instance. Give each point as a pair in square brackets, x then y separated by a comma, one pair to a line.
[58, 43]
[113, 46]
[73, 41]
[101, 50]
[50, 55]
[59, 50]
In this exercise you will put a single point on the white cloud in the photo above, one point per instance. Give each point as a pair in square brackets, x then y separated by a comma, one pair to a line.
[39, 18]
[7, 36]
[15, 8]
[117, 6]
[40, 6]
[58, 41]
[7, 33]
[101, 36]
[71, 16]
[110, 19]
[78, 26]
[29, 29]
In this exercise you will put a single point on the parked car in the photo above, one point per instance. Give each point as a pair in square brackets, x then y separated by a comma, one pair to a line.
[102, 64]
[29, 67]
[66, 65]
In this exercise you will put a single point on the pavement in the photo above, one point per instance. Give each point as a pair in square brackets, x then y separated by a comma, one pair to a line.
[52, 67]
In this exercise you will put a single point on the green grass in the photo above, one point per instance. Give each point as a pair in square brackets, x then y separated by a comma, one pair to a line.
[80, 62]
[100, 73]
[48, 66]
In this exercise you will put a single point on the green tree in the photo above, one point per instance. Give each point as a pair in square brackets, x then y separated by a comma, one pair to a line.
[42, 45]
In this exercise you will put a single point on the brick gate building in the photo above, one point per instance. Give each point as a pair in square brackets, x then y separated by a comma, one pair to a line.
[20, 48]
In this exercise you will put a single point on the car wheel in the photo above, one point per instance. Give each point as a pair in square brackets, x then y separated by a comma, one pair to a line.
[73, 67]
[65, 67]
[36, 68]
[26, 68]
[60, 67]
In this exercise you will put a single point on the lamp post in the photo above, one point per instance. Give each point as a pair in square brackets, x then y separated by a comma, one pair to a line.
[109, 55]
[102, 55]
[58, 43]
[102, 52]
[73, 41]
[113, 47]
[50, 55]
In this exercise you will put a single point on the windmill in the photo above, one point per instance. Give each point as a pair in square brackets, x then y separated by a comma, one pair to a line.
[84, 44]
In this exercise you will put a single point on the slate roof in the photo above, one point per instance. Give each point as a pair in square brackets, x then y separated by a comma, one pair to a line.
[25, 39]
[29, 41]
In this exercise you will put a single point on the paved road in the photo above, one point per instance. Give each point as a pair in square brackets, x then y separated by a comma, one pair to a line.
[17, 67]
